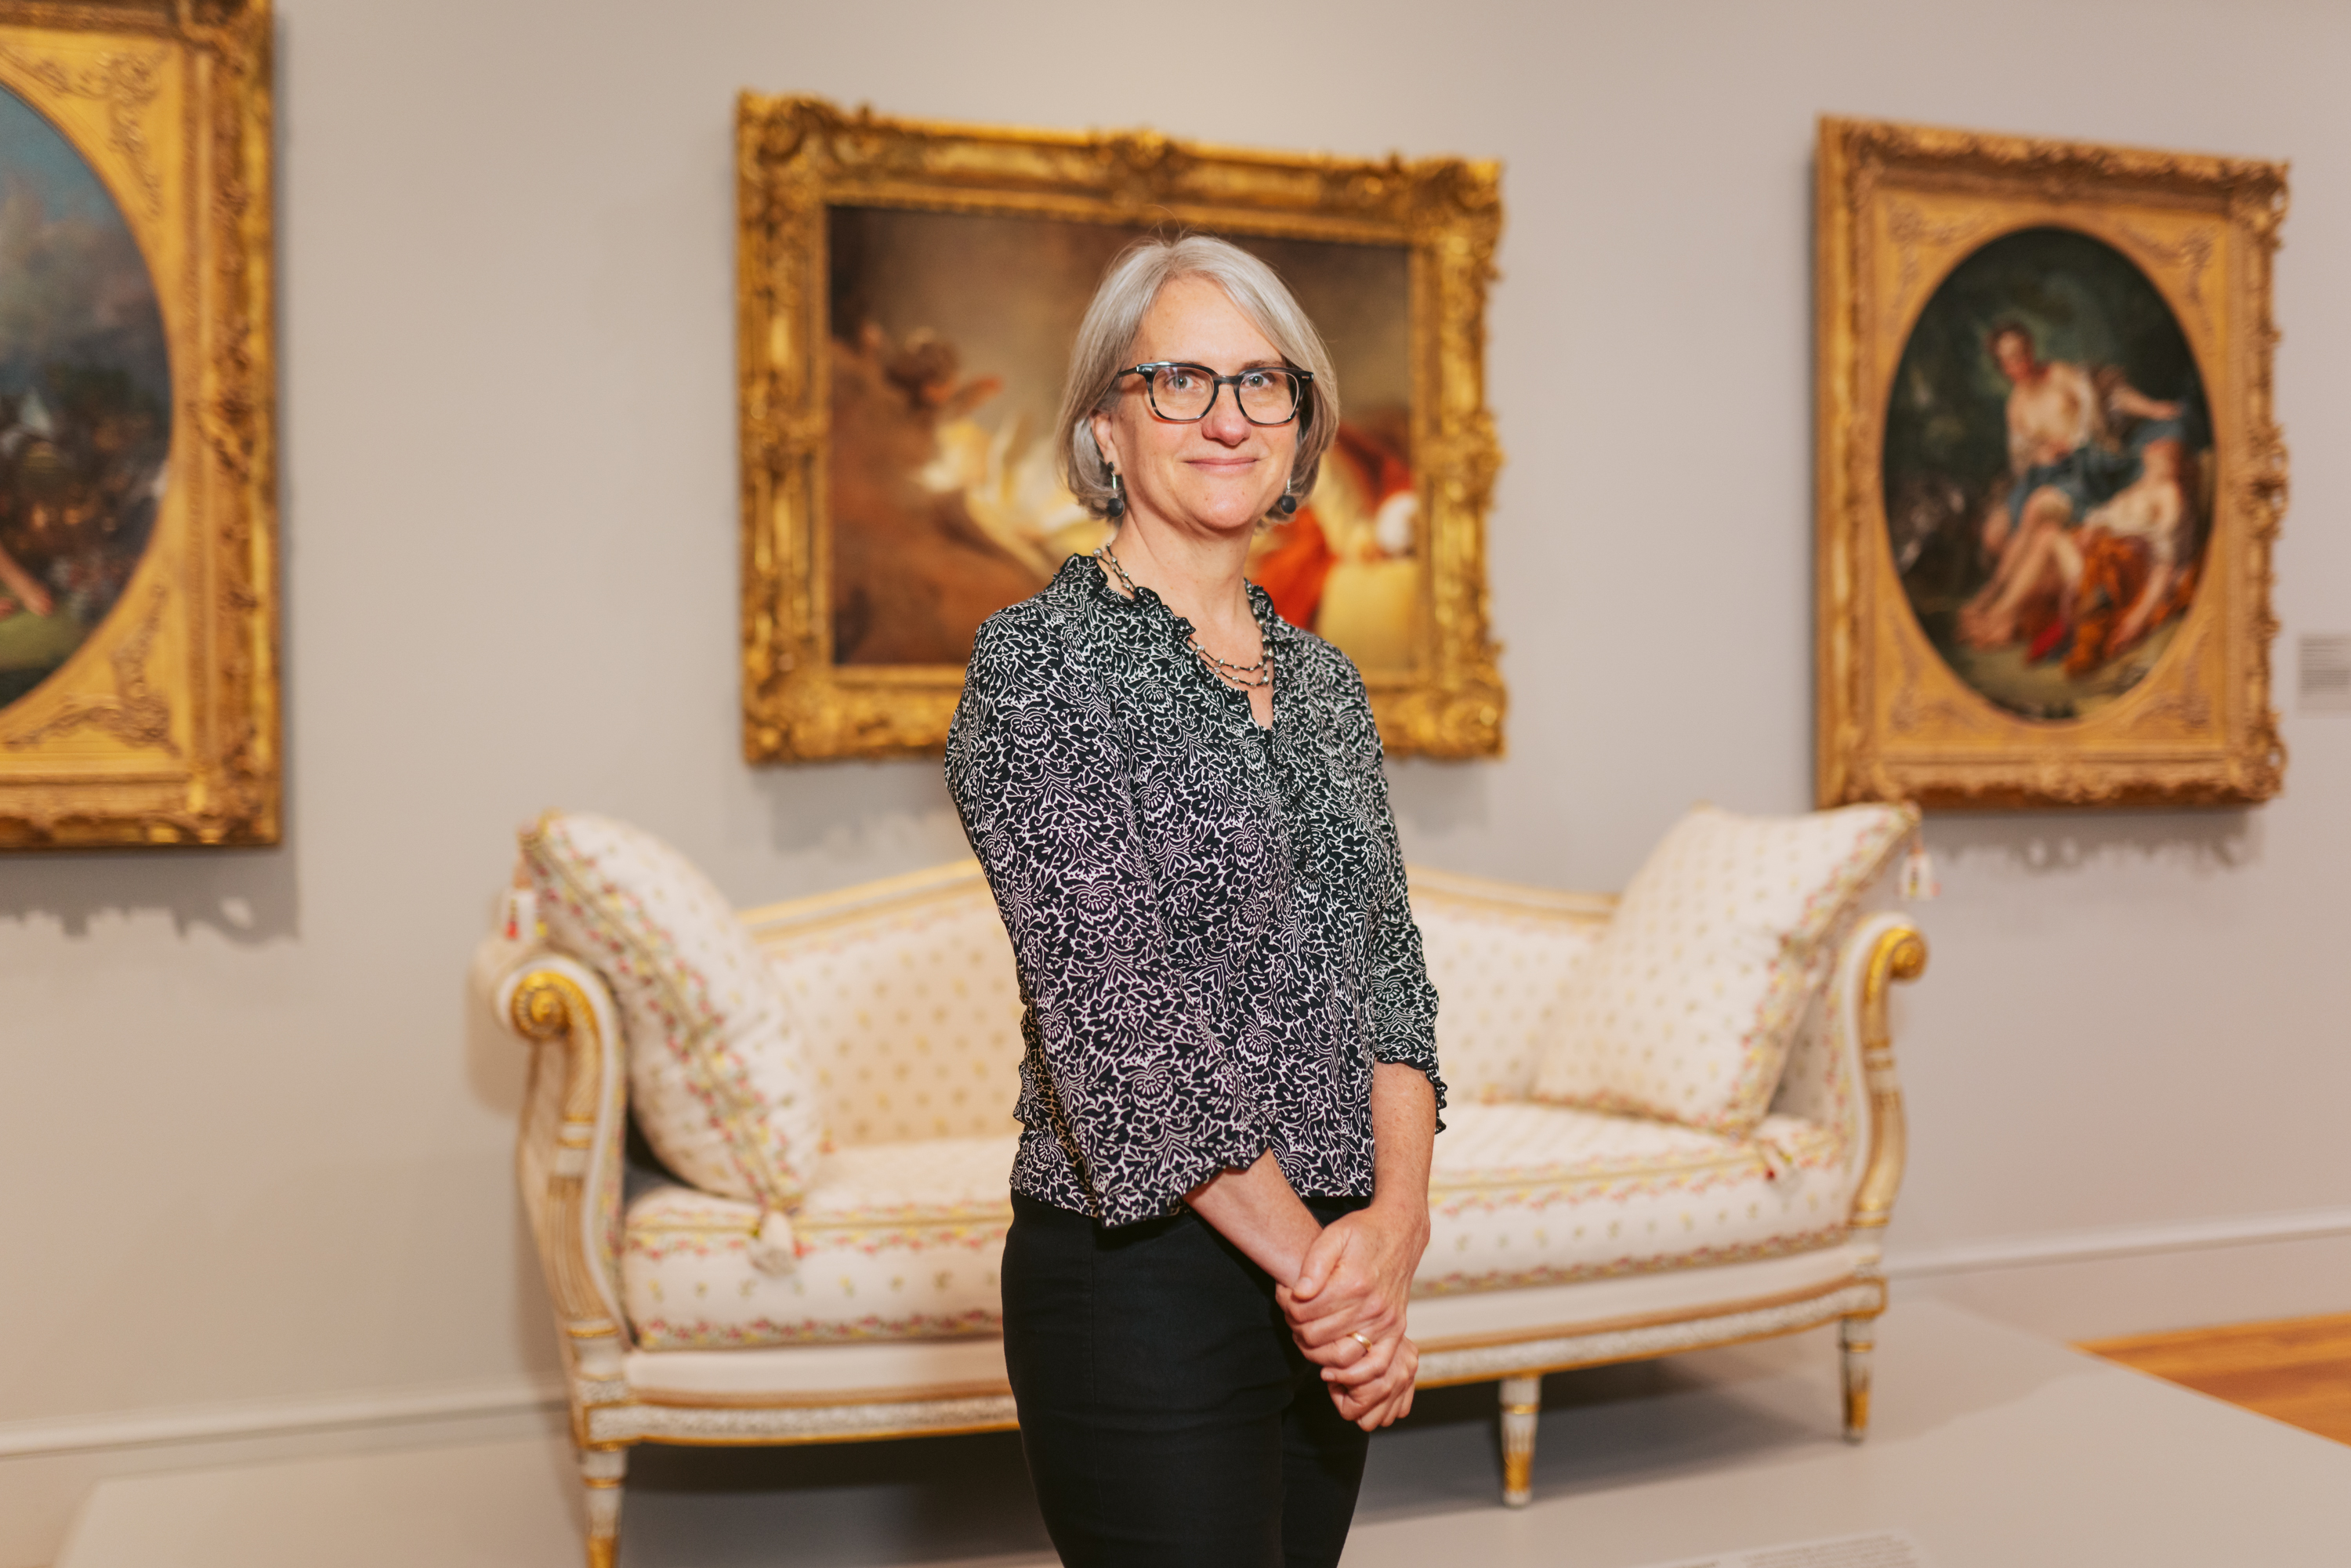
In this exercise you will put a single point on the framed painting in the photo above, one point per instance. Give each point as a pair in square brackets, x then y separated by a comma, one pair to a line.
[2049, 478]
[138, 531]
[909, 293]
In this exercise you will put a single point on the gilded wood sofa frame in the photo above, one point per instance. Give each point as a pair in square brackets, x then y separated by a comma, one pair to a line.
[567, 1163]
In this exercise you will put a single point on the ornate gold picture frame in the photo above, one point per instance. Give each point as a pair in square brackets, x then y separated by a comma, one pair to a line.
[907, 293]
[137, 462]
[2048, 474]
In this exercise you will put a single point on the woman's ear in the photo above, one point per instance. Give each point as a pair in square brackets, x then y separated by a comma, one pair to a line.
[1103, 440]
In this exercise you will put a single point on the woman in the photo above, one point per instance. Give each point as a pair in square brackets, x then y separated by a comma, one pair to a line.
[1230, 1087]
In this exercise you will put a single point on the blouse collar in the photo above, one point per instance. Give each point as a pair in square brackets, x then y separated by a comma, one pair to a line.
[1086, 574]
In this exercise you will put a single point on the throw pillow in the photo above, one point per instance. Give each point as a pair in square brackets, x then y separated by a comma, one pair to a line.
[1687, 1004]
[717, 1075]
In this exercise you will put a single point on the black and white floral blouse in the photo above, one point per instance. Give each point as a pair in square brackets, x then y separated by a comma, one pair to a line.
[1209, 918]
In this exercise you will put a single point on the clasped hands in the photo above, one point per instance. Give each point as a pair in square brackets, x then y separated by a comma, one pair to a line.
[1346, 1309]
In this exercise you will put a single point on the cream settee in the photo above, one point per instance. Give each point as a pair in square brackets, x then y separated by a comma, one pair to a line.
[862, 1301]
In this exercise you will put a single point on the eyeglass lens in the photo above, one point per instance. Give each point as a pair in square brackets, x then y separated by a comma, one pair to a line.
[1268, 395]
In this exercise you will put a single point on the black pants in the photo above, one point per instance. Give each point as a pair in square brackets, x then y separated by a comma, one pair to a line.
[1168, 1416]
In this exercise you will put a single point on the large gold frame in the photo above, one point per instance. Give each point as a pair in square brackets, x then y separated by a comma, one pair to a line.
[1900, 206]
[162, 729]
[795, 155]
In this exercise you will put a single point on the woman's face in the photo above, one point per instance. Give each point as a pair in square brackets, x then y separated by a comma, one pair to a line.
[1223, 474]
[2015, 352]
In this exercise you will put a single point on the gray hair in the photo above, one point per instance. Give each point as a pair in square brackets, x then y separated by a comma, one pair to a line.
[1106, 336]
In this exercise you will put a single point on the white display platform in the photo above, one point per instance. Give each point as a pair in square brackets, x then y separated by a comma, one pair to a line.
[1992, 1449]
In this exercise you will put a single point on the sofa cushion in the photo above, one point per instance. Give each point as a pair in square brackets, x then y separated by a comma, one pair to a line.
[896, 1240]
[717, 1076]
[1686, 1005]
[1502, 959]
[1533, 1195]
[909, 1005]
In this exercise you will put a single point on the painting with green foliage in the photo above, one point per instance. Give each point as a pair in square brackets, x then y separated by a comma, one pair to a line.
[85, 401]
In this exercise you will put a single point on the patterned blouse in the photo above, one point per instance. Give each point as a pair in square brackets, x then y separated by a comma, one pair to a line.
[1208, 917]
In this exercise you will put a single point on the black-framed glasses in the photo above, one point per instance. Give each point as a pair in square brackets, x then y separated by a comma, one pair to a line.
[1184, 393]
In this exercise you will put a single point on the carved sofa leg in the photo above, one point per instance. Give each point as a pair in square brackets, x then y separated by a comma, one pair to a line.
[1858, 1337]
[603, 1469]
[1521, 1406]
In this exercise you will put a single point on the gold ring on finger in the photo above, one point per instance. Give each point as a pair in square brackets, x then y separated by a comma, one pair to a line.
[1357, 1336]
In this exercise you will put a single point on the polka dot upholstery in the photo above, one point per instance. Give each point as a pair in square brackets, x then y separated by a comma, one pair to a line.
[897, 1240]
[910, 1014]
[1501, 959]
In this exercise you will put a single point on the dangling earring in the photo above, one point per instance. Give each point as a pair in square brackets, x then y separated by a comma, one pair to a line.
[1287, 506]
[1115, 508]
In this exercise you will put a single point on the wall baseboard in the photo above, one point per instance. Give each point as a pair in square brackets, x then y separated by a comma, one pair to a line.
[510, 1397]
[2117, 1241]
[248, 1420]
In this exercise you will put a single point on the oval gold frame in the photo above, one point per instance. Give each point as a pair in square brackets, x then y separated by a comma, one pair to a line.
[1900, 206]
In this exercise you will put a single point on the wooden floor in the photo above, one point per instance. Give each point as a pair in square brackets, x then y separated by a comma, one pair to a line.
[2297, 1370]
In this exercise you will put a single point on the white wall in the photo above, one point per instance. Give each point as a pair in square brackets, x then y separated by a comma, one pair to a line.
[257, 1151]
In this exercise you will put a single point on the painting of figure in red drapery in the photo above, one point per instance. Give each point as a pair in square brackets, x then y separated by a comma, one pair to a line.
[1346, 566]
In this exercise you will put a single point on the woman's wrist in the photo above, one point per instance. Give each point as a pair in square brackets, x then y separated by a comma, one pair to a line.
[1296, 1241]
[1256, 1210]
[1403, 1215]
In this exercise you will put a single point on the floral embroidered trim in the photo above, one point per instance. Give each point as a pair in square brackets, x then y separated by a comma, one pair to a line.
[665, 1334]
[1696, 1258]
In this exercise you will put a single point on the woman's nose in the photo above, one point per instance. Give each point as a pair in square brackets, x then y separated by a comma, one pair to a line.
[1225, 423]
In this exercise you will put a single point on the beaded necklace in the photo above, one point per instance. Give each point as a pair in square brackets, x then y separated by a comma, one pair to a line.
[1259, 674]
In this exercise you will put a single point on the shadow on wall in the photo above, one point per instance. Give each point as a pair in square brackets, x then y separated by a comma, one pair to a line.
[2048, 843]
[249, 896]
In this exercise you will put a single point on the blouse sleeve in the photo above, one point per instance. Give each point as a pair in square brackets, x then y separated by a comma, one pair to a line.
[1403, 1001]
[1154, 1102]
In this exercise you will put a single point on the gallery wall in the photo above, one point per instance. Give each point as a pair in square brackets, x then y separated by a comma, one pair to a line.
[256, 1142]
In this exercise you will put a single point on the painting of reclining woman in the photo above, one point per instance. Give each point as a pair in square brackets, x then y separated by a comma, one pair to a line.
[2048, 473]
[950, 333]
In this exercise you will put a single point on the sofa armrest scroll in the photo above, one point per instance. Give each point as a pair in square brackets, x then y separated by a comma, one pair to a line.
[567, 1157]
[1896, 952]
